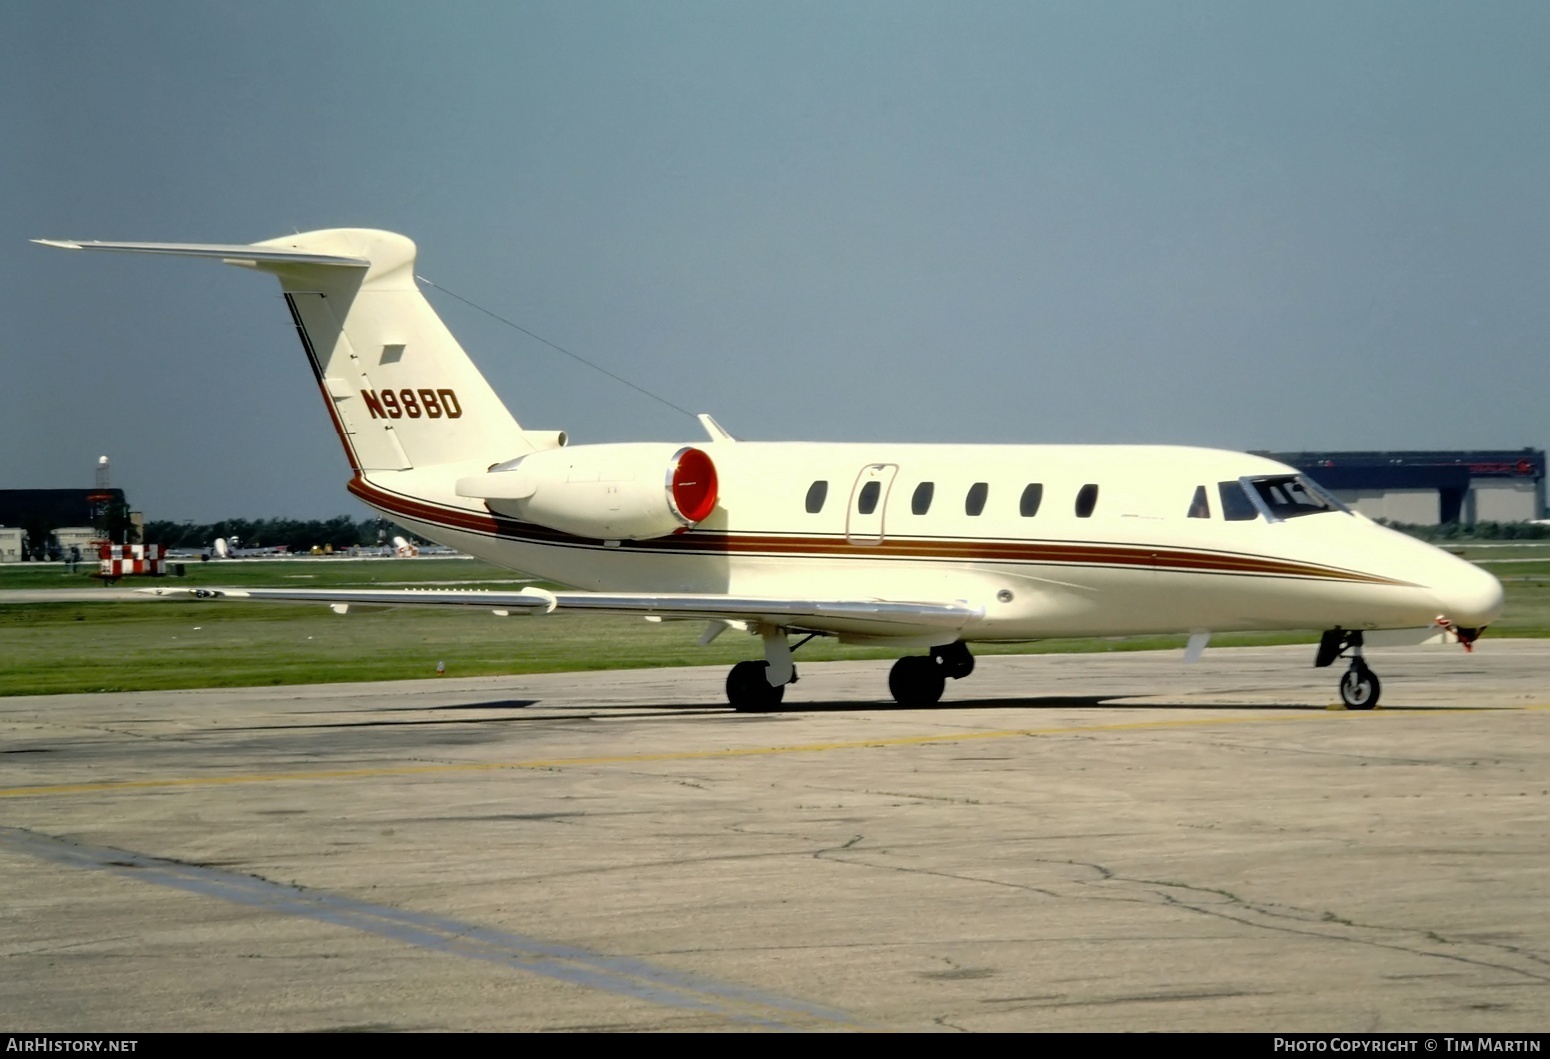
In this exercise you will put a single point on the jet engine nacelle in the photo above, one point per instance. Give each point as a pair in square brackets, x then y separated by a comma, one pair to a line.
[608, 492]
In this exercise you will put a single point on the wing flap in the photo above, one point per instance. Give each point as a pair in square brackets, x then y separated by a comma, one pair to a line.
[775, 611]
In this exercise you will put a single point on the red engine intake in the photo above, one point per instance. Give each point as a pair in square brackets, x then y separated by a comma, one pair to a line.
[691, 485]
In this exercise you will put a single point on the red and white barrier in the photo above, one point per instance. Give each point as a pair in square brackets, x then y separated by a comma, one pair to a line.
[122, 560]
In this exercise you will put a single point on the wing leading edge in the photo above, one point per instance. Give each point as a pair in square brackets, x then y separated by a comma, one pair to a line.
[859, 618]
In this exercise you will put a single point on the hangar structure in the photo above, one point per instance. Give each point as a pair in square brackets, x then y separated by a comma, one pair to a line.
[1428, 488]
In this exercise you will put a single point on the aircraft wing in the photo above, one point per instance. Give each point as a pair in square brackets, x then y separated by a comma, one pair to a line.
[859, 618]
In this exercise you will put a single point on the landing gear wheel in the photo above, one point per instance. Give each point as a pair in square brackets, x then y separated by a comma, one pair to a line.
[954, 659]
[749, 692]
[916, 680]
[1359, 688]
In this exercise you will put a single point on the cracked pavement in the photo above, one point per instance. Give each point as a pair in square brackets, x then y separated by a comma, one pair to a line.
[1085, 842]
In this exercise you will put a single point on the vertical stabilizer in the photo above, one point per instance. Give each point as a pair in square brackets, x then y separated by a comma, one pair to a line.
[402, 392]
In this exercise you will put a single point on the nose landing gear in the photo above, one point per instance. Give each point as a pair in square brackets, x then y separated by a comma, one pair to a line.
[1360, 687]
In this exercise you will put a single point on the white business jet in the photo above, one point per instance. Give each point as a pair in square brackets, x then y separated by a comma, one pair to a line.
[922, 547]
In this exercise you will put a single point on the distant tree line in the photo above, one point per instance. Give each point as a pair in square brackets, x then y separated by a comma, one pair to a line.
[296, 534]
[1480, 531]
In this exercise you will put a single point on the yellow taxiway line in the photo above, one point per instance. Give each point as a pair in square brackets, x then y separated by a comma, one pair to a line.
[684, 755]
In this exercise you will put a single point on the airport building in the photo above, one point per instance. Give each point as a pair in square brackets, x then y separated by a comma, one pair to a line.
[47, 523]
[1428, 488]
[11, 540]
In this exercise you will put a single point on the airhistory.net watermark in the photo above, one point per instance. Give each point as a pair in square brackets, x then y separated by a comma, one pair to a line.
[67, 1044]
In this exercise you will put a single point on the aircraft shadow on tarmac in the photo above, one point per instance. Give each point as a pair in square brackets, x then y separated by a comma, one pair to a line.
[1040, 702]
[1020, 702]
[499, 704]
[437, 715]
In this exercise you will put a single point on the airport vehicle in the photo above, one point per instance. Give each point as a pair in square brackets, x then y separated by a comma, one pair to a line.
[926, 548]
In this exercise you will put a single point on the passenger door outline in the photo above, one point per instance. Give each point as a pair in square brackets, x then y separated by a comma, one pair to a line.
[868, 529]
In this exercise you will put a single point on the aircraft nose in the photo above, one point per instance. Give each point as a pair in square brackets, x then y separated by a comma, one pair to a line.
[1467, 596]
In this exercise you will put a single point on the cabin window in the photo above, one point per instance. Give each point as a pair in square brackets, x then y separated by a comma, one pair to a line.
[1236, 505]
[974, 503]
[1086, 500]
[817, 493]
[1033, 496]
[1200, 507]
[920, 503]
[866, 502]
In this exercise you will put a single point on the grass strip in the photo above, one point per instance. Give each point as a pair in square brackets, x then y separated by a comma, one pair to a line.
[58, 648]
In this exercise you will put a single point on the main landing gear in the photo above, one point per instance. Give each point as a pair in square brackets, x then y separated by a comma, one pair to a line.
[915, 680]
[918, 680]
[749, 690]
[758, 687]
[1360, 687]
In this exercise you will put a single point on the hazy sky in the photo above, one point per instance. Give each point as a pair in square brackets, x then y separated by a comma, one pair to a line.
[1246, 225]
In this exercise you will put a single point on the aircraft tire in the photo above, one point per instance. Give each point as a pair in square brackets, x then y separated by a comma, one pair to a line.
[1359, 688]
[749, 692]
[916, 681]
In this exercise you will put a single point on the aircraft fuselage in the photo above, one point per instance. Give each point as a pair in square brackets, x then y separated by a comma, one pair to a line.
[1051, 540]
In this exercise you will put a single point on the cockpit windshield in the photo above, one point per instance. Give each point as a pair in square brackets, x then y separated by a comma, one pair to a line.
[1279, 497]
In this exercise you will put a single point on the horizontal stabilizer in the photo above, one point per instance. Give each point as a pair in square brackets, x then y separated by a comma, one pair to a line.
[221, 251]
[402, 394]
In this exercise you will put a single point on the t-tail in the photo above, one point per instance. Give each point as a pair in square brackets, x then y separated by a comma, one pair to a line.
[402, 393]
